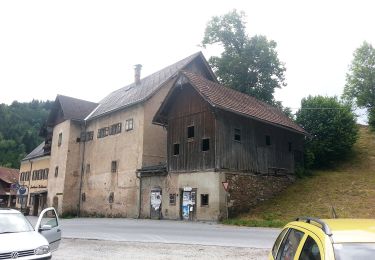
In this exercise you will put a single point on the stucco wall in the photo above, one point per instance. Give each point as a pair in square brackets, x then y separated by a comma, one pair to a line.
[247, 190]
[174, 183]
[59, 156]
[126, 149]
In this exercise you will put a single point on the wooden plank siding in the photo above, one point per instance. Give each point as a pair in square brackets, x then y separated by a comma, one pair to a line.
[252, 153]
[190, 109]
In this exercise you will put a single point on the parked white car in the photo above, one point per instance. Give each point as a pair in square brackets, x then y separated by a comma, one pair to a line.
[19, 240]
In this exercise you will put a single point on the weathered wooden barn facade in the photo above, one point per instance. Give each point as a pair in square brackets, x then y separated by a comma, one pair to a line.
[216, 134]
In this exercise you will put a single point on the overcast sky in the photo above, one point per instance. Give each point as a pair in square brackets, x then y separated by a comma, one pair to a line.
[87, 49]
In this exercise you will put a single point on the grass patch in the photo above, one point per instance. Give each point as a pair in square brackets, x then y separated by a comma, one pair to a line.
[349, 188]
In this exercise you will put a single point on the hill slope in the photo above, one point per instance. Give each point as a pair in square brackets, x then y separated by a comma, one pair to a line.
[350, 188]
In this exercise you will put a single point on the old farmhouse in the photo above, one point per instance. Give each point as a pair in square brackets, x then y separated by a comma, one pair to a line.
[174, 144]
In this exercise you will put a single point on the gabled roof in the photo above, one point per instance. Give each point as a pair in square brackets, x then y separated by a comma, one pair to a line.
[74, 108]
[133, 94]
[71, 109]
[37, 152]
[9, 175]
[225, 98]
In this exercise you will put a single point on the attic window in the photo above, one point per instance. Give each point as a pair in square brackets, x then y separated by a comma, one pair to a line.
[176, 149]
[205, 144]
[268, 140]
[237, 135]
[190, 131]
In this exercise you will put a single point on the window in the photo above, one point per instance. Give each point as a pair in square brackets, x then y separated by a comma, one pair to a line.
[88, 168]
[289, 245]
[89, 135]
[83, 197]
[28, 175]
[190, 131]
[114, 166]
[289, 147]
[115, 129]
[204, 200]
[129, 124]
[310, 250]
[237, 135]
[60, 140]
[268, 140]
[277, 242]
[172, 199]
[46, 173]
[111, 197]
[56, 171]
[176, 149]
[34, 173]
[205, 144]
[103, 132]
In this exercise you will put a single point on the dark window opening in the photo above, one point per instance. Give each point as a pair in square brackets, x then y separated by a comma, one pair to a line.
[88, 168]
[172, 199]
[204, 200]
[176, 149]
[237, 135]
[190, 132]
[60, 139]
[111, 197]
[289, 147]
[83, 196]
[115, 129]
[114, 166]
[268, 140]
[103, 132]
[205, 144]
[56, 171]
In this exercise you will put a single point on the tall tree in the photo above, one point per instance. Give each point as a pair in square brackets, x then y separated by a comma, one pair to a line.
[332, 128]
[360, 81]
[247, 64]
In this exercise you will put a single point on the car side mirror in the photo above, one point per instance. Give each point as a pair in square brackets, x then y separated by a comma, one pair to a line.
[45, 227]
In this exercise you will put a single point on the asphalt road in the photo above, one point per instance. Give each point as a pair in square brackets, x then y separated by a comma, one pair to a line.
[167, 232]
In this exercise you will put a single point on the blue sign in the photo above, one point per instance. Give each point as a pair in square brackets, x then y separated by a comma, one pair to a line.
[22, 190]
[15, 186]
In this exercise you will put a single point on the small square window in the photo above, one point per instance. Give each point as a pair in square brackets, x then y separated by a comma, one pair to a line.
[172, 199]
[190, 132]
[129, 124]
[237, 135]
[205, 144]
[289, 146]
[268, 140]
[56, 171]
[60, 139]
[176, 149]
[204, 200]
[114, 166]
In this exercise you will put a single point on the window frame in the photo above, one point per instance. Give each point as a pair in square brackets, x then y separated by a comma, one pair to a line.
[205, 148]
[59, 140]
[56, 171]
[188, 133]
[129, 124]
[208, 200]
[114, 166]
[268, 140]
[237, 133]
[174, 149]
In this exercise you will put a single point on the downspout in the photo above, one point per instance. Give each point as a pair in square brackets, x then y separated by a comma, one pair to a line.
[139, 177]
[82, 171]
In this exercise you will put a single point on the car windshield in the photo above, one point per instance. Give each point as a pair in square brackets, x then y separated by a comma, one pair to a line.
[14, 223]
[357, 251]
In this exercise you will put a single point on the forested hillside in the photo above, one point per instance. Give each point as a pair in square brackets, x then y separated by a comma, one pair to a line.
[19, 129]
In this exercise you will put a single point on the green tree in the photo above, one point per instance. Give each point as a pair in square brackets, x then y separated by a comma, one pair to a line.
[332, 128]
[360, 81]
[247, 64]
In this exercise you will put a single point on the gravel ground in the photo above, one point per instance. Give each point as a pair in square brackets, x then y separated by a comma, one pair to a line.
[98, 249]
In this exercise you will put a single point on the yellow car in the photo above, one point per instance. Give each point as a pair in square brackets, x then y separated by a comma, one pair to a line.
[315, 239]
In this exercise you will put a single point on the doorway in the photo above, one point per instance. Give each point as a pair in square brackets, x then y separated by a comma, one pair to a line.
[36, 205]
[188, 205]
[155, 203]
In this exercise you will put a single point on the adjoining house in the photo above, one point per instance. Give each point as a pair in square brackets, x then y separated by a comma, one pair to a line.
[33, 177]
[219, 139]
[8, 176]
[96, 148]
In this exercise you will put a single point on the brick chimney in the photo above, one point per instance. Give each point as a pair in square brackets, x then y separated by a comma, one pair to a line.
[137, 74]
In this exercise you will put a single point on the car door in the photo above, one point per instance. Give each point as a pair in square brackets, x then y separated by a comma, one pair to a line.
[290, 244]
[311, 248]
[48, 226]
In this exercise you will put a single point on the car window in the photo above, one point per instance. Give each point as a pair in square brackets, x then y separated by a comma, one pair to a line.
[310, 250]
[277, 242]
[14, 223]
[289, 245]
[49, 218]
